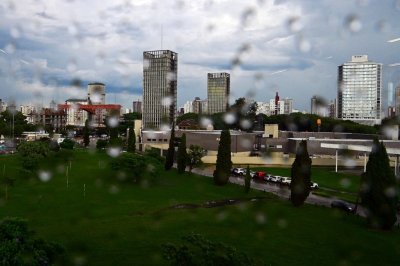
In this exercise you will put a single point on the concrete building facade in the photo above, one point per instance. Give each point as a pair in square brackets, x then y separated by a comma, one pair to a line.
[218, 90]
[360, 91]
[160, 70]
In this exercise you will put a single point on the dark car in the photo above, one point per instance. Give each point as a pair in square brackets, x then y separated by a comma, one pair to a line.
[342, 205]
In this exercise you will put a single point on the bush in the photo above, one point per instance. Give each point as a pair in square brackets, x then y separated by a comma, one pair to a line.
[67, 144]
[53, 146]
[101, 144]
[135, 168]
[31, 153]
[196, 250]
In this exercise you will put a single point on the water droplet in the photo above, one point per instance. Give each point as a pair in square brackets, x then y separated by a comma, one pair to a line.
[246, 143]
[113, 122]
[282, 223]
[15, 32]
[353, 23]
[245, 123]
[260, 218]
[221, 216]
[382, 26]
[44, 176]
[391, 192]
[247, 16]
[303, 45]
[10, 48]
[229, 118]
[171, 76]
[167, 101]
[294, 24]
[113, 189]
[71, 67]
[345, 182]
[113, 151]
[205, 122]
[146, 64]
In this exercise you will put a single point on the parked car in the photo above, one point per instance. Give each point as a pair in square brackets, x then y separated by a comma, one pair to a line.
[260, 175]
[285, 181]
[238, 171]
[314, 185]
[342, 205]
[268, 177]
[275, 179]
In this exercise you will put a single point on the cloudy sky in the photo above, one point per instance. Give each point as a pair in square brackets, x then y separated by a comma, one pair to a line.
[51, 49]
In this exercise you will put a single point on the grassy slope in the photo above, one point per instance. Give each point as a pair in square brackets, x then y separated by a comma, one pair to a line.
[126, 224]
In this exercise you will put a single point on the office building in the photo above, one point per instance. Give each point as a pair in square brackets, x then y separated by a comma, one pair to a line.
[360, 91]
[137, 106]
[160, 69]
[188, 107]
[218, 89]
[397, 100]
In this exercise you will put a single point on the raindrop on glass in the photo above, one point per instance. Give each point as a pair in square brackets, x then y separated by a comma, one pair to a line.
[294, 24]
[353, 23]
[113, 121]
[113, 151]
[229, 118]
[44, 176]
[167, 101]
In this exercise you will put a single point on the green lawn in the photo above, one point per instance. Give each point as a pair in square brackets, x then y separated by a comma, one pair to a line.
[125, 224]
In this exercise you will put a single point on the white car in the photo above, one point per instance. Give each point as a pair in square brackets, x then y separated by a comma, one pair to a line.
[238, 171]
[285, 181]
[275, 179]
[314, 185]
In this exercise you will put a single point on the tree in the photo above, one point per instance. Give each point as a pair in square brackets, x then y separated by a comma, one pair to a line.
[86, 139]
[31, 153]
[244, 113]
[300, 186]
[379, 193]
[19, 246]
[247, 180]
[169, 161]
[194, 156]
[182, 156]
[131, 140]
[224, 164]
[101, 144]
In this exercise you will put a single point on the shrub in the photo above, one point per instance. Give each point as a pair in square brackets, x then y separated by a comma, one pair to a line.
[67, 144]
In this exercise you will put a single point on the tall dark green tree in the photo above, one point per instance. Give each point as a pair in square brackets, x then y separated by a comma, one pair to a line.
[301, 176]
[224, 163]
[182, 156]
[194, 156]
[131, 140]
[169, 160]
[86, 139]
[379, 193]
[247, 180]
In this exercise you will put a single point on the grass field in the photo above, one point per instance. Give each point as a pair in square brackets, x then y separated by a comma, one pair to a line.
[125, 224]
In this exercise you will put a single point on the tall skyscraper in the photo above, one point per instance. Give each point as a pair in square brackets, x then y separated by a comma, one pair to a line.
[218, 89]
[160, 69]
[397, 100]
[360, 91]
[137, 106]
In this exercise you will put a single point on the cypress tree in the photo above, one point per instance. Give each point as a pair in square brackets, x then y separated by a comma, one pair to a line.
[247, 180]
[379, 189]
[169, 160]
[182, 156]
[301, 176]
[131, 140]
[224, 163]
[86, 139]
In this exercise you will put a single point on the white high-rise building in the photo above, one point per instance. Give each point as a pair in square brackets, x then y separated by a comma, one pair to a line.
[360, 91]
[188, 107]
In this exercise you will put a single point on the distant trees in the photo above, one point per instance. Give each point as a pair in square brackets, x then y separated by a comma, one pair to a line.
[300, 185]
[19, 246]
[379, 193]
[169, 160]
[224, 164]
[245, 113]
[194, 156]
[247, 180]
[182, 156]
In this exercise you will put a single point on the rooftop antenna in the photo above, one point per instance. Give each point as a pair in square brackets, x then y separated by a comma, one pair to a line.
[161, 36]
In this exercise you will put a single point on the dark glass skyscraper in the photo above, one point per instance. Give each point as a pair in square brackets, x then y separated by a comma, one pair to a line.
[160, 69]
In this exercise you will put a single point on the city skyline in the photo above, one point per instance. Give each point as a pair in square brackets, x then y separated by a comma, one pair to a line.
[267, 46]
